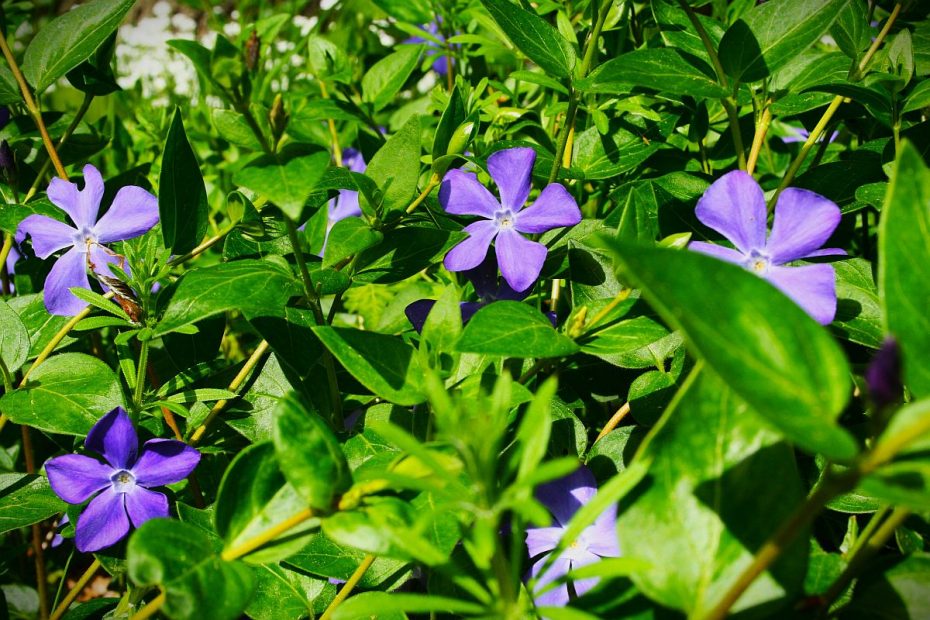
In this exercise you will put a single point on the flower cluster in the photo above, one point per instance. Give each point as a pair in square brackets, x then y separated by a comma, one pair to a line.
[120, 484]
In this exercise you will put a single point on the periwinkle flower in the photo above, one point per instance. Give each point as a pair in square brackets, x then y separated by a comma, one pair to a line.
[120, 485]
[519, 258]
[563, 498]
[734, 206]
[883, 375]
[441, 64]
[133, 212]
[800, 134]
[346, 203]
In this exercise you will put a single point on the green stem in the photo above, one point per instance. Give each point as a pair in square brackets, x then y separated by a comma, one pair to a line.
[85, 106]
[75, 590]
[347, 588]
[152, 607]
[268, 535]
[4, 253]
[140, 374]
[200, 249]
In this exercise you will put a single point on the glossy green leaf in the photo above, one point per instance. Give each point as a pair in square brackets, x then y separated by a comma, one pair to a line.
[858, 311]
[384, 364]
[906, 479]
[513, 329]
[41, 325]
[26, 499]
[285, 593]
[69, 39]
[622, 343]
[904, 265]
[773, 33]
[368, 604]
[892, 588]
[347, 238]
[706, 499]
[286, 178]
[322, 556]
[9, 89]
[677, 30]
[255, 287]
[14, 339]
[309, 454]
[851, 29]
[396, 168]
[663, 69]
[66, 394]
[387, 76]
[183, 560]
[919, 97]
[533, 36]
[768, 350]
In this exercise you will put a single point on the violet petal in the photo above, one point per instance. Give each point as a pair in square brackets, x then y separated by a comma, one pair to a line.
[164, 461]
[584, 585]
[511, 170]
[134, 211]
[542, 539]
[468, 309]
[813, 287]
[484, 276]
[344, 205]
[718, 251]
[470, 252]
[553, 208]
[734, 206]
[142, 505]
[555, 597]
[47, 235]
[461, 194]
[520, 259]
[601, 536]
[103, 523]
[90, 197]
[69, 270]
[75, 477]
[418, 311]
[66, 196]
[564, 496]
[803, 223]
[115, 438]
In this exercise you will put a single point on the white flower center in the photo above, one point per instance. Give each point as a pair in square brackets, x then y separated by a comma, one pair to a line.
[757, 263]
[83, 239]
[123, 481]
[504, 219]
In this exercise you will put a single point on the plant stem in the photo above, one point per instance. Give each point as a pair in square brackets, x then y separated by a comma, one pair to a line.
[621, 413]
[337, 151]
[243, 109]
[200, 249]
[79, 115]
[434, 180]
[4, 254]
[140, 373]
[733, 116]
[762, 128]
[75, 590]
[564, 130]
[151, 608]
[349, 585]
[33, 108]
[268, 535]
[41, 577]
[233, 386]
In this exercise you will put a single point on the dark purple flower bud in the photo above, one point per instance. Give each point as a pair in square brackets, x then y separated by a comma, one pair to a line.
[7, 162]
[4, 116]
[252, 49]
[883, 376]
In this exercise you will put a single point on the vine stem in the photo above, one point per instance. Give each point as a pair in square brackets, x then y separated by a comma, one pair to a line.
[151, 608]
[4, 254]
[200, 249]
[434, 181]
[75, 590]
[758, 139]
[621, 413]
[268, 535]
[348, 586]
[33, 108]
[234, 385]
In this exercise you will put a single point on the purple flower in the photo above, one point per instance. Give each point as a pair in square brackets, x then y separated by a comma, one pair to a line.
[883, 376]
[800, 134]
[563, 498]
[57, 539]
[441, 64]
[346, 203]
[519, 258]
[133, 212]
[121, 484]
[735, 207]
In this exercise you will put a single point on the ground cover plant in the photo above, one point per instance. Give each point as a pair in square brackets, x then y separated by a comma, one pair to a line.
[465, 308]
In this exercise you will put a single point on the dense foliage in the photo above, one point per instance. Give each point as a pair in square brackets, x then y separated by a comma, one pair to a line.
[465, 308]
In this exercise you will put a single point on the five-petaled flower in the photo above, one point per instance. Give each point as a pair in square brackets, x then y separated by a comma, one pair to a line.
[519, 258]
[563, 498]
[734, 206]
[133, 212]
[121, 483]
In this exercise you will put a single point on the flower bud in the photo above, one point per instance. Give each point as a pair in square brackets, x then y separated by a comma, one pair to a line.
[883, 376]
[278, 117]
[460, 138]
[252, 49]
[7, 163]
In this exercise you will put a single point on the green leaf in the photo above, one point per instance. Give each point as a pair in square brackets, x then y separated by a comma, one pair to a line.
[9, 89]
[375, 604]
[904, 265]
[26, 499]
[396, 168]
[41, 325]
[452, 117]
[66, 394]
[622, 343]
[533, 36]
[387, 76]
[677, 30]
[534, 430]
[892, 587]
[705, 498]
[768, 350]
[253, 497]
[71, 38]
[321, 556]
[182, 559]
[513, 329]
[663, 69]
[858, 311]
[286, 178]
[255, 287]
[347, 238]
[309, 454]
[14, 339]
[919, 97]
[851, 29]
[182, 196]
[283, 593]
[384, 364]
[772, 34]
[403, 253]
[906, 479]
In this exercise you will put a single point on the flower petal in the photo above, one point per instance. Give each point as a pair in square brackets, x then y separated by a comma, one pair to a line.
[354, 160]
[48, 235]
[114, 437]
[142, 505]
[344, 205]
[542, 539]
[461, 194]
[511, 170]
[418, 311]
[583, 585]
[553, 208]
[75, 477]
[803, 222]
[469, 253]
[563, 497]
[601, 536]
[469, 308]
[133, 212]
[164, 461]
[734, 206]
[69, 270]
[555, 597]
[813, 287]
[103, 523]
[484, 277]
[520, 259]
[718, 251]
[66, 196]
